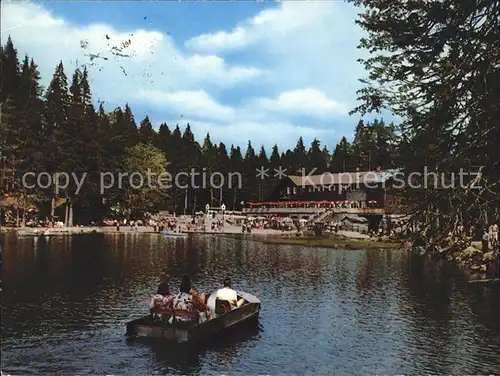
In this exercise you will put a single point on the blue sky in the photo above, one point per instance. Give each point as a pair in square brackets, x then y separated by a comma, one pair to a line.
[266, 72]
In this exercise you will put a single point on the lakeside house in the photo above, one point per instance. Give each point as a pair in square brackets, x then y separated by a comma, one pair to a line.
[332, 196]
[361, 187]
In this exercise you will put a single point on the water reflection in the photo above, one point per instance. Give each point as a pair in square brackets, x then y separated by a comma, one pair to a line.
[66, 301]
[186, 358]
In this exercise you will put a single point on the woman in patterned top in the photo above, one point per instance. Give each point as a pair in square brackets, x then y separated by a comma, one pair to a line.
[189, 303]
[162, 301]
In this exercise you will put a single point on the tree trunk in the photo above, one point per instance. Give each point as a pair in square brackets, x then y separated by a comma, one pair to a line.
[66, 213]
[185, 201]
[194, 202]
[211, 190]
[52, 207]
[174, 196]
[70, 214]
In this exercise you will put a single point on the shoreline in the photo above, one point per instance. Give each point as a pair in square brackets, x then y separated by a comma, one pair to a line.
[68, 231]
[346, 241]
[334, 242]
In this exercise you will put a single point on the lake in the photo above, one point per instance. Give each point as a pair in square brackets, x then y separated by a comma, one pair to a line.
[65, 302]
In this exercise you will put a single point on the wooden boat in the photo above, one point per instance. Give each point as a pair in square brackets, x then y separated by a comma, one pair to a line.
[223, 318]
[172, 233]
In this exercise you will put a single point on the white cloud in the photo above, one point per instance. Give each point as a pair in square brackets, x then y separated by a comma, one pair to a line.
[200, 105]
[269, 24]
[298, 60]
[220, 40]
[308, 102]
[289, 20]
[152, 59]
[196, 104]
[304, 44]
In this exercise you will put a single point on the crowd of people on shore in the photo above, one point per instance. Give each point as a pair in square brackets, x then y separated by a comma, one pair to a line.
[490, 237]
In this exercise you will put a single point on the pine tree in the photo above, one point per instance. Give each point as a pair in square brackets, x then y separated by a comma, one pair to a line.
[175, 155]
[10, 71]
[56, 117]
[236, 158]
[163, 139]
[222, 158]
[262, 158]
[81, 149]
[20, 127]
[222, 166]
[363, 146]
[275, 158]
[93, 133]
[176, 151]
[236, 165]
[209, 157]
[30, 106]
[10, 132]
[299, 157]
[188, 136]
[147, 135]
[129, 128]
[316, 158]
[191, 150]
[251, 159]
[208, 151]
[342, 157]
[86, 96]
[110, 163]
[288, 162]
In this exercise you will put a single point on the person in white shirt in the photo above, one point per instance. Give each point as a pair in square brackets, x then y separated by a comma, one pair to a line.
[228, 294]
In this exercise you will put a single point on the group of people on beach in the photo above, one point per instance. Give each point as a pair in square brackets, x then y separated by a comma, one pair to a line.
[188, 305]
[490, 237]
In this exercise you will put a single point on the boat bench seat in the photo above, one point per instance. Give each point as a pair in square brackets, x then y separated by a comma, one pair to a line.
[222, 306]
[176, 312]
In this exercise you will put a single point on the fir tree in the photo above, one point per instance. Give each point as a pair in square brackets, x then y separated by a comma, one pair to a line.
[10, 71]
[316, 158]
[147, 135]
[262, 158]
[342, 157]
[163, 139]
[299, 156]
[275, 157]
[56, 118]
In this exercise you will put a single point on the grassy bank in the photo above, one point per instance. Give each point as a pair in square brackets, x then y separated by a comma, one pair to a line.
[337, 242]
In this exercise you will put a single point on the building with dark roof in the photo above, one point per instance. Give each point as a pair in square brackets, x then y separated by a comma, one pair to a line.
[367, 188]
[323, 197]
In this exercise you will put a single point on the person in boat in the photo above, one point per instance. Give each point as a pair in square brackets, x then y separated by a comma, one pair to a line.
[228, 294]
[188, 305]
[162, 302]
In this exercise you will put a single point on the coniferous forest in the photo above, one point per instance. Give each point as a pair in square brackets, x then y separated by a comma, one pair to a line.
[58, 129]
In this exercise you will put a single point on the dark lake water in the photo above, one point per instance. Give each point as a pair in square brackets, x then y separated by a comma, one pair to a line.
[65, 302]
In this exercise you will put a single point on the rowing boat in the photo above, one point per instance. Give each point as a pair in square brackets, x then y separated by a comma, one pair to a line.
[221, 320]
[176, 234]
